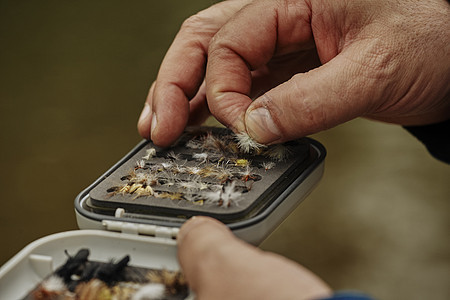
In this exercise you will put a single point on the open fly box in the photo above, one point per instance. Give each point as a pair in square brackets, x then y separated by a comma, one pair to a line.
[137, 207]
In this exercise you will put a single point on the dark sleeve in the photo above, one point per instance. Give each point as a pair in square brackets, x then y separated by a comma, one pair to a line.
[436, 137]
[348, 296]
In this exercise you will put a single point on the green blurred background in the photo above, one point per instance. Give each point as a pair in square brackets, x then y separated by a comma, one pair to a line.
[73, 79]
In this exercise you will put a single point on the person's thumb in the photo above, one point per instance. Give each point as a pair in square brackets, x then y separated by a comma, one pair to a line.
[334, 93]
[203, 245]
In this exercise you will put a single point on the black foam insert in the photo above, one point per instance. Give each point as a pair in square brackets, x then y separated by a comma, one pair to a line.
[192, 177]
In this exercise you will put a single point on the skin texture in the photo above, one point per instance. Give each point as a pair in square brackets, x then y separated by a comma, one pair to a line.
[310, 65]
[217, 266]
[280, 70]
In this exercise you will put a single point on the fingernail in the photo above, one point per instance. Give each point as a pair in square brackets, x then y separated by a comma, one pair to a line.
[154, 124]
[261, 127]
[145, 114]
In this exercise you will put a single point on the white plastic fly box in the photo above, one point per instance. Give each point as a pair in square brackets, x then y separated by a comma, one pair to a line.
[39, 271]
[137, 207]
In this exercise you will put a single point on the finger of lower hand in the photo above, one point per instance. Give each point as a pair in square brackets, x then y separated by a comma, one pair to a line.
[217, 265]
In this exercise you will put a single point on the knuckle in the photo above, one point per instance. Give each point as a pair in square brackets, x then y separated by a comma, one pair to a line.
[197, 23]
[306, 108]
[193, 22]
[314, 115]
[379, 62]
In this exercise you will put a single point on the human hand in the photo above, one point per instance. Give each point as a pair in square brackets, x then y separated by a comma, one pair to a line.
[386, 60]
[217, 265]
[178, 96]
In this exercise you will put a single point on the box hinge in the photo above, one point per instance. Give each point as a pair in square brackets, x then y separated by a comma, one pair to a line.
[142, 229]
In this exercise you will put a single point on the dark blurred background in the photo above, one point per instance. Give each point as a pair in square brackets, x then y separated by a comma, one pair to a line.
[73, 79]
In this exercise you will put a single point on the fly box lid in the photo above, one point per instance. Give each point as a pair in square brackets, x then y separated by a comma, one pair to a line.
[208, 171]
[95, 264]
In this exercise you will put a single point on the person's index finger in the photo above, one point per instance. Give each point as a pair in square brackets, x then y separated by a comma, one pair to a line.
[182, 72]
[184, 64]
[227, 92]
[179, 78]
[248, 41]
[228, 77]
